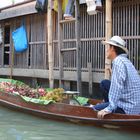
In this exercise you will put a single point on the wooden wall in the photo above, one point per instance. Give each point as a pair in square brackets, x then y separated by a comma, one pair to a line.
[126, 21]
[36, 54]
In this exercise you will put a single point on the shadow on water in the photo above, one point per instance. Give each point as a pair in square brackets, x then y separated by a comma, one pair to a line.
[19, 126]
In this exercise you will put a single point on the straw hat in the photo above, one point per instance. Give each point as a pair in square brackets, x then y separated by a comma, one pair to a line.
[118, 42]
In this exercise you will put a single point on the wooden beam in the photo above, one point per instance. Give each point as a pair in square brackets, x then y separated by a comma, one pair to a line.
[17, 4]
[50, 44]
[40, 73]
[18, 11]
[60, 43]
[108, 35]
[78, 45]
[11, 54]
[90, 79]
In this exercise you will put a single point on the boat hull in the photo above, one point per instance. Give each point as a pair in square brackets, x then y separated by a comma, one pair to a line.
[70, 113]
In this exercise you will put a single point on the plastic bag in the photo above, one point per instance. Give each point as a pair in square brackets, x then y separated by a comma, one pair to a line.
[20, 39]
[41, 6]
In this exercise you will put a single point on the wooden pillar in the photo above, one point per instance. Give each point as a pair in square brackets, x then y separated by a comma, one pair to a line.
[108, 34]
[78, 46]
[60, 44]
[90, 79]
[11, 51]
[12, 61]
[50, 45]
[34, 83]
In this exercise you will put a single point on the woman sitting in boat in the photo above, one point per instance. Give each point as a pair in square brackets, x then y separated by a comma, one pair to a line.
[122, 93]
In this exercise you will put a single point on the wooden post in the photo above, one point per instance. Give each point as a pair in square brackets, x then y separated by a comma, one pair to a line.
[78, 46]
[34, 82]
[67, 85]
[11, 55]
[2, 57]
[108, 35]
[50, 45]
[60, 44]
[12, 61]
[90, 79]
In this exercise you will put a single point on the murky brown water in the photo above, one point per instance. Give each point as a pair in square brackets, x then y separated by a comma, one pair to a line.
[19, 126]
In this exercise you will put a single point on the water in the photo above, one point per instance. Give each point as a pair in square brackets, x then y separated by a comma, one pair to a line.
[19, 126]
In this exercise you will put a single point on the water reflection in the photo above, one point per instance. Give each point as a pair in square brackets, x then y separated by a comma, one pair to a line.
[19, 126]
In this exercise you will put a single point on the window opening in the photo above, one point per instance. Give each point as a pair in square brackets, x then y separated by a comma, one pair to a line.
[6, 44]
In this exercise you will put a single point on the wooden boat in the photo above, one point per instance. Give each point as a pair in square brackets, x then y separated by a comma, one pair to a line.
[71, 113]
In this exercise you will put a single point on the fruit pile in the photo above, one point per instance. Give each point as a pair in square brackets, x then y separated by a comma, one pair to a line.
[40, 93]
[56, 95]
[23, 90]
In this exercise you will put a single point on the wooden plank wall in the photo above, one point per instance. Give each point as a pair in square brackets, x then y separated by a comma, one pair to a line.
[20, 59]
[126, 20]
[35, 56]
[126, 23]
[38, 42]
[92, 51]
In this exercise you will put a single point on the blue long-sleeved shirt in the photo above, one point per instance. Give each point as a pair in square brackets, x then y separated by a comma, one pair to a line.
[125, 86]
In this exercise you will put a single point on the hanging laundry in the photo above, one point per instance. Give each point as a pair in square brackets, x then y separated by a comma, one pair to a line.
[41, 6]
[93, 6]
[69, 9]
[64, 4]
